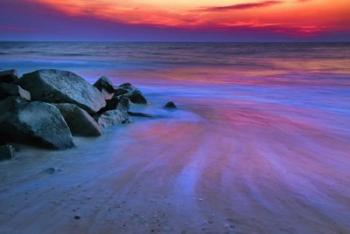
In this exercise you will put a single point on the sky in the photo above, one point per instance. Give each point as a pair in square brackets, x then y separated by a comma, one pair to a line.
[175, 20]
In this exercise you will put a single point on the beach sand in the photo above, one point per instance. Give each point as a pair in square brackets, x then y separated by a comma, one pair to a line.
[213, 166]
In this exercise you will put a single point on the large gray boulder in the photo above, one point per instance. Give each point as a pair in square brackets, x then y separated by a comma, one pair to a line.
[33, 123]
[105, 86]
[9, 76]
[7, 89]
[79, 121]
[58, 86]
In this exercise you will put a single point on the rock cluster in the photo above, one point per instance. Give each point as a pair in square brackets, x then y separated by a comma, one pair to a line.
[46, 107]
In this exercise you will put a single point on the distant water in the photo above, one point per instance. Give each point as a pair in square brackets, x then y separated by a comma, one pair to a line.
[262, 134]
[120, 58]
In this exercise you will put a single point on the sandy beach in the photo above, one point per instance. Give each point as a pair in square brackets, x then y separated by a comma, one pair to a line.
[214, 166]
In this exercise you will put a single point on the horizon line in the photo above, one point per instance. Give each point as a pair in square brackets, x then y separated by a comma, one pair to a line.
[166, 41]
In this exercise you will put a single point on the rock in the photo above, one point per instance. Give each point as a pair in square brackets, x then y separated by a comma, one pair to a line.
[50, 170]
[106, 95]
[113, 117]
[105, 86]
[123, 104]
[127, 86]
[33, 122]
[79, 121]
[111, 104]
[3, 141]
[170, 105]
[120, 91]
[9, 76]
[137, 97]
[7, 152]
[129, 91]
[116, 116]
[7, 90]
[104, 83]
[58, 86]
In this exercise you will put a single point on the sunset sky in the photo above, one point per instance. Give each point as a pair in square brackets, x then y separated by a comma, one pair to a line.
[175, 20]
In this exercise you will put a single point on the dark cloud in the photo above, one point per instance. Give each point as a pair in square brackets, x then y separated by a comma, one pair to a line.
[242, 6]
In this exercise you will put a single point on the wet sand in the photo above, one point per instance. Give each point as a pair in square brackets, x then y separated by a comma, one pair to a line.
[242, 162]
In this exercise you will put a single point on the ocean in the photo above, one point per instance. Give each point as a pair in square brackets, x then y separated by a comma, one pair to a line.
[267, 60]
[260, 142]
[301, 75]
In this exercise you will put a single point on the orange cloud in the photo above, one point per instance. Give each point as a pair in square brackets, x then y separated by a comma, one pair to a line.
[303, 16]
